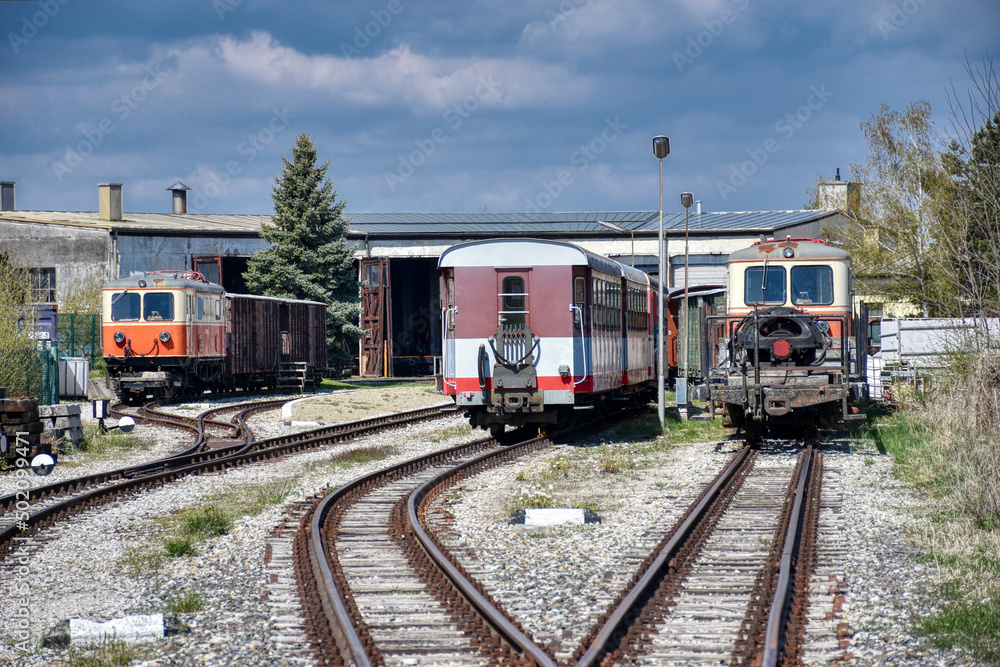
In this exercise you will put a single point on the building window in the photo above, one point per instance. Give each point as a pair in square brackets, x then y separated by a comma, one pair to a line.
[43, 285]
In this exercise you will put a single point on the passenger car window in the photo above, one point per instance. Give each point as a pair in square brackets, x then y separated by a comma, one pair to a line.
[158, 306]
[761, 287]
[512, 301]
[812, 285]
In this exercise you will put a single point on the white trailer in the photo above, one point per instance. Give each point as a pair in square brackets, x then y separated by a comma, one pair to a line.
[915, 349]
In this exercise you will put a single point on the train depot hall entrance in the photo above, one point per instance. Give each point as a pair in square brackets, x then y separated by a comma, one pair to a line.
[401, 307]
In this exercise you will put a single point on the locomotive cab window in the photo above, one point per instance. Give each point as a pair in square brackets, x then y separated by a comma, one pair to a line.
[201, 308]
[764, 285]
[125, 307]
[812, 285]
[158, 306]
[512, 301]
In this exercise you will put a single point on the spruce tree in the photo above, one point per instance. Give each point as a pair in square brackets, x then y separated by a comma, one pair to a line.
[308, 257]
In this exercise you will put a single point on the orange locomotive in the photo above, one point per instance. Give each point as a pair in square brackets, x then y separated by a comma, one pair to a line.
[169, 333]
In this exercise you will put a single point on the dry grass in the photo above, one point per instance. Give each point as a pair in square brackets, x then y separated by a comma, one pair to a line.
[966, 451]
[950, 447]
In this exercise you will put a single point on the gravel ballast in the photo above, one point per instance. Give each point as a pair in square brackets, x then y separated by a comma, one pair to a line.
[561, 577]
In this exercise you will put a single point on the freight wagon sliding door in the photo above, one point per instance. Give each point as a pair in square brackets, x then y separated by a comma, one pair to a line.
[376, 317]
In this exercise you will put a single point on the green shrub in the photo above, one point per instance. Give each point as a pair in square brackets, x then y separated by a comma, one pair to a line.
[180, 547]
[190, 601]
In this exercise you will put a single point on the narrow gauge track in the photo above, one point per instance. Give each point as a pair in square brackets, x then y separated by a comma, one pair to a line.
[151, 413]
[51, 494]
[51, 503]
[729, 584]
[375, 586]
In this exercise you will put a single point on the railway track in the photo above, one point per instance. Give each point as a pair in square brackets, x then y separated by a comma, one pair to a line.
[728, 585]
[28, 511]
[378, 587]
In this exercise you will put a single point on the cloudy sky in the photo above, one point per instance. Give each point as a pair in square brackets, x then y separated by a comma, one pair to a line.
[547, 105]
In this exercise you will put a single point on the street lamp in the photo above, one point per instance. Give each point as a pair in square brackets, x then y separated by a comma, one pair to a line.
[661, 149]
[619, 228]
[682, 389]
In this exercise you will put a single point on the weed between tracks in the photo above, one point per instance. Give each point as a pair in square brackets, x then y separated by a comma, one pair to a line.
[113, 652]
[187, 603]
[182, 530]
[352, 458]
[95, 445]
[629, 449]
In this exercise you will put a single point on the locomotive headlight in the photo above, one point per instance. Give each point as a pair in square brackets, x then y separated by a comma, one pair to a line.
[119, 337]
[788, 253]
[823, 326]
[164, 336]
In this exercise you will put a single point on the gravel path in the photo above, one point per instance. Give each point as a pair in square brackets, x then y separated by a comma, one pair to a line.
[561, 577]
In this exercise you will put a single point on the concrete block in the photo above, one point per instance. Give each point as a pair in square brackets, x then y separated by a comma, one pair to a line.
[131, 629]
[59, 410]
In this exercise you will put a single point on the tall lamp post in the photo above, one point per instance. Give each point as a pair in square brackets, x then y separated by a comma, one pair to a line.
[661, 149]
[686, 200]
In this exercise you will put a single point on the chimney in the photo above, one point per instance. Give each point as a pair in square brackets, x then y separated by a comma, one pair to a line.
[838, 194]
[7, 195]
[180, 197]
[109, 197]
[697, 207]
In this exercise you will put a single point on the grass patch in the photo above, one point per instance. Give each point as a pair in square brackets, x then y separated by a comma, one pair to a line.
[108, 654]
[180, 546]
[333, 385]
[676, 431]
[186, 527]
[904, 437]
[138, 561]
[208, 522]
[452, 432]
[613, 462]
[530, 496]
[185, 604]
[95, 444]
[642, 428]
[974, 626]
[357, 457]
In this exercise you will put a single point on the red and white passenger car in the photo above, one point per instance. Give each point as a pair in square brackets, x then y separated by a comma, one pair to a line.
[534, 330]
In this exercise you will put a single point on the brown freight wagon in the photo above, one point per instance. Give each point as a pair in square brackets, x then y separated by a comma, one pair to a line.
[274, 342]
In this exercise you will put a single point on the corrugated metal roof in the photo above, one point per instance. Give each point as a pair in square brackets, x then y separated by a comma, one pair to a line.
[764, 221]
[440, 224]
[493, 223]
[147, 222]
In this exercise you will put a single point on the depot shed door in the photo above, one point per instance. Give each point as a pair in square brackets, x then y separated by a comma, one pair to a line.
[376, 317]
